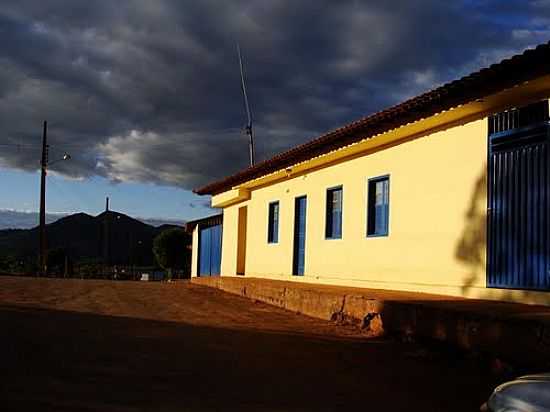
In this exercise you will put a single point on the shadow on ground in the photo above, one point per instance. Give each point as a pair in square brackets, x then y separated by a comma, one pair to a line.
[60, 360]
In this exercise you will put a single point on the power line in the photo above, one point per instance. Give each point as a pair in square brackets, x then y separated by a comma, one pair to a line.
[20, 146]
[61, 146]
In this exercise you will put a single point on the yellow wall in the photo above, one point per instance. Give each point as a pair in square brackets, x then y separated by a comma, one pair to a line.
[437, 235]
[230, 240]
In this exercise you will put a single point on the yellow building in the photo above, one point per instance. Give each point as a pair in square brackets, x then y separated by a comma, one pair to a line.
[445, 193]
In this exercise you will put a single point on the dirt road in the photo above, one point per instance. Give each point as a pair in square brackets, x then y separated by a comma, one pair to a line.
[71, 345]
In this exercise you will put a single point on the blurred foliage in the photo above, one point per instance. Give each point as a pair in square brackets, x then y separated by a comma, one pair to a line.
[17, 265]
[171, 250]
[59, 262]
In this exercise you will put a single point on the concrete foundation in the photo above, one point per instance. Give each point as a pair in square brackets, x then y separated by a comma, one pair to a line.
[516, 333]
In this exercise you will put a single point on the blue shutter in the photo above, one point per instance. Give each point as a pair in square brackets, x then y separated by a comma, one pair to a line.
[337, 214]
[333, 222]
[378, 208]
[276, 222]
[273, 223]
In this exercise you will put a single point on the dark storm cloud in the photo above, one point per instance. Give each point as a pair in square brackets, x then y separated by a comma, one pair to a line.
[149, 90]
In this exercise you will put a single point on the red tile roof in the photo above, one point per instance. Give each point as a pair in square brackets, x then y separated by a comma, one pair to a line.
[529, 65]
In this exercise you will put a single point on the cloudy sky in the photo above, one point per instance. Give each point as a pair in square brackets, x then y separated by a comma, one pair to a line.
[145, 95]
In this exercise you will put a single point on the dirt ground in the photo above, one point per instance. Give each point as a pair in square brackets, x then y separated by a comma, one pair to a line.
[72, 345]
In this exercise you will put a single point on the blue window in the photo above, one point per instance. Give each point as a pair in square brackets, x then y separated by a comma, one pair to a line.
[273, 223]
[333, 225]
[378, 206]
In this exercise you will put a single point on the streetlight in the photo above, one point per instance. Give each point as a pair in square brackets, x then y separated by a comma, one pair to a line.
[66, 156]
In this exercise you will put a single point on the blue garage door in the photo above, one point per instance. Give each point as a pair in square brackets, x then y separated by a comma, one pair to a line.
[519, 200]
[210, 250]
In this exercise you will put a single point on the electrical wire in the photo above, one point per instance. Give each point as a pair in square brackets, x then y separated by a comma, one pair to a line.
[87, 144]
[20, 146]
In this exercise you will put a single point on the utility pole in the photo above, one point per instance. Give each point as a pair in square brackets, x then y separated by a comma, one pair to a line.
[43, 167]
[106, 235]
[44, 163]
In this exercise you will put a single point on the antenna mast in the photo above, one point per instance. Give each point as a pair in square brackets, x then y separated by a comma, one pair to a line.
[248, 128]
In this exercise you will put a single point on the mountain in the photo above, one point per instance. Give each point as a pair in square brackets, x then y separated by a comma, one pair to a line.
[159, 222]
[15, 219]
[110, 236]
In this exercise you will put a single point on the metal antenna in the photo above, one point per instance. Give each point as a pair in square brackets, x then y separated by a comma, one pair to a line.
[248, 128]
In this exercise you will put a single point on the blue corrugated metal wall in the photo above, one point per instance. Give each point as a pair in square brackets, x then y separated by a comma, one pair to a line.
[216, 248]
[518, 209]
[204, 252]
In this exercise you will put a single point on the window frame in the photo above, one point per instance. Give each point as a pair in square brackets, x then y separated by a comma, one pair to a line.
[273, 232]
[370, 208]
[328, 217]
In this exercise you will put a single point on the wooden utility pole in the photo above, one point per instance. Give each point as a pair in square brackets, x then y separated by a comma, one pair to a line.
[107, 235]
[43, 167]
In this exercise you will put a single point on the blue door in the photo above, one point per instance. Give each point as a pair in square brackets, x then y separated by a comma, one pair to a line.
[210, 248]
[298, 264]
[519, 207]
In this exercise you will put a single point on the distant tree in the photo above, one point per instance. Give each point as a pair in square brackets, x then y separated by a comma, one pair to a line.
[7, 264]
[59, 262]
[89, 269]
[171, 252]
[18, 265]
[28, 265]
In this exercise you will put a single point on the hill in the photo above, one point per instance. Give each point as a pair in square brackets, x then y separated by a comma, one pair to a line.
[16, 219]
[111, 236]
